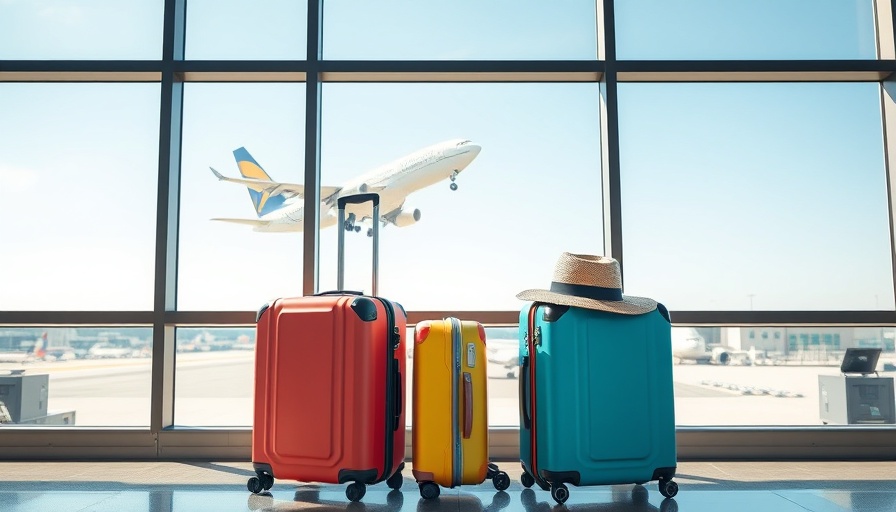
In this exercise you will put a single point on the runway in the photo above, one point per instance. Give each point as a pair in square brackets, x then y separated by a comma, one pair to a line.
[215, 389]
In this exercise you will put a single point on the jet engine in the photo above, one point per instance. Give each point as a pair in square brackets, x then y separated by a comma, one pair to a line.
[363, 188]
[406, 218]
[720, 356]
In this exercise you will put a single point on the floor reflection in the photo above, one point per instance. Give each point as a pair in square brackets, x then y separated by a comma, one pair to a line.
[220, 487]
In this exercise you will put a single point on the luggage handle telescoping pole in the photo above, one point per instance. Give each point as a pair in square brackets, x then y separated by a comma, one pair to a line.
[340, 204]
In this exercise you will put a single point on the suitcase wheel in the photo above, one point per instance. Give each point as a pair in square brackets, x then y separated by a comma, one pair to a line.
[527, 480]
[355, 491]
[260, 483]
[254, 485]
[668, 488]
[394, 481]
[501, 481]
[429, 490]
[560, 493]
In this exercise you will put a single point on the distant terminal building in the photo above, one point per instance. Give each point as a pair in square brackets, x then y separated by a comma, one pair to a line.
[801, 341]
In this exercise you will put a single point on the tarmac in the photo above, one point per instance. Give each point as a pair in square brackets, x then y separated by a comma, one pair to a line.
[215, 389]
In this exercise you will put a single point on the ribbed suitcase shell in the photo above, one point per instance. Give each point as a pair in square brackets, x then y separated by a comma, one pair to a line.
[450, 418]
[603, 410]
[330, 389]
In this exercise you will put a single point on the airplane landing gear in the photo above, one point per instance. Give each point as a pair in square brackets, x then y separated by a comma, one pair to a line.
[452, 178]
[350, 223]
[453, 186]
[370, 232]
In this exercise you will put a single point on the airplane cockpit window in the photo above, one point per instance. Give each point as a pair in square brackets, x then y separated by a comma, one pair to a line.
[463, 142]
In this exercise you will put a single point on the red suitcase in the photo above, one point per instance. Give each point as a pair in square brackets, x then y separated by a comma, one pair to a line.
[329, 386]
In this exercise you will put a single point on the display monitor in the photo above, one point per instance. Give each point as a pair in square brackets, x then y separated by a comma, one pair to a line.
[860, 360]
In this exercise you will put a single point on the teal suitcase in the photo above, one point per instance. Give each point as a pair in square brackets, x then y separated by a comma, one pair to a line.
[596, 398]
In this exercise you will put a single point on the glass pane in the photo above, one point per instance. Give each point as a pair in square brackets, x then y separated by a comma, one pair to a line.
[81, 29]
[229, 265]
[458, 30]
[83, 377]
[755, 196]
[215, 376]
[236, 30]
[745, 29]
[78, 182]
[502, 352]
[471, 248]
[781, 376]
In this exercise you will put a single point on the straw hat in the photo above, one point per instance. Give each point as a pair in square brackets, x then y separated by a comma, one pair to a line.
[592, 282]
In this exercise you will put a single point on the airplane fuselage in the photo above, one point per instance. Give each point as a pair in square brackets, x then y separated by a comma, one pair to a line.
[393, 182]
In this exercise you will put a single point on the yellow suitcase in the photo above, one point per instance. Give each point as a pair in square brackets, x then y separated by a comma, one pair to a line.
[450, 410]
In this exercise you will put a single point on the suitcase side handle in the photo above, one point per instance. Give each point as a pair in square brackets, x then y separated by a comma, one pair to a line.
[340, 226]
[399, 402]
[524, 392]
[468, 405]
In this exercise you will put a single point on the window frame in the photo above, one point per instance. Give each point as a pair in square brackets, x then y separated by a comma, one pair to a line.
[163, 441]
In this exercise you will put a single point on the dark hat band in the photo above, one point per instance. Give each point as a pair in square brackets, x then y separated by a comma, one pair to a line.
[589, 292]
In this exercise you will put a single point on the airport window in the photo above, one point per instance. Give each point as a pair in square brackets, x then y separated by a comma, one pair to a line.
[238, 264]
[745, 29]
[81, 30]
[82, 196]
[723, 145]
[235, 30]
[529, 142]
[458, 30]
[797, 116]
[215, 376]
[760, 384]
[76, 377]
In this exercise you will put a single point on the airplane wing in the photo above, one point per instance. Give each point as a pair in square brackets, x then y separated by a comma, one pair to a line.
[276, 187]
[248, 222]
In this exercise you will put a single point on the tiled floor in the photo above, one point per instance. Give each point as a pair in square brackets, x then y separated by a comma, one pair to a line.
[218, 487]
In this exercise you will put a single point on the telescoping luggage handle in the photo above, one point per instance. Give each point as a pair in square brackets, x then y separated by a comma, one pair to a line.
[340, 204]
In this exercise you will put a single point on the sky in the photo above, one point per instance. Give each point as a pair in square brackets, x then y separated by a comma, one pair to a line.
[770, 194]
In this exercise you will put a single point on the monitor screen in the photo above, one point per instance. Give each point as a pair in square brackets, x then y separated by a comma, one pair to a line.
[860, 360]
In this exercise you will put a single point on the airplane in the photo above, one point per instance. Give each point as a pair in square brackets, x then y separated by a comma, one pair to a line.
[504, 353]
[37, 352]
[280, 206]
[689, 345]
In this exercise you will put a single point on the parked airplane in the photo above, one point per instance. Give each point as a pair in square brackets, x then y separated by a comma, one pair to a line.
[689, 345]
[36, 352]
[504, 353]
[280, 206]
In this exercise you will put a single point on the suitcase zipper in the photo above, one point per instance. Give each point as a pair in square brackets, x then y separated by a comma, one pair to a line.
[456, 339]
[391, 345]
[533, 340]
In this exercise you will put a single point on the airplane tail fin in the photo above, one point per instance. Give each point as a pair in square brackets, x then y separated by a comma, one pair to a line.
[40, 346]
[264, 202]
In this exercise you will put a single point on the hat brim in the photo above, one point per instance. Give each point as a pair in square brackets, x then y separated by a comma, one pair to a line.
[629, 305]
